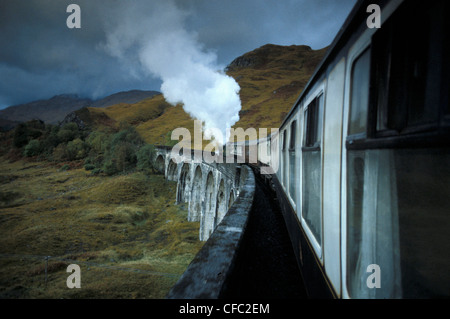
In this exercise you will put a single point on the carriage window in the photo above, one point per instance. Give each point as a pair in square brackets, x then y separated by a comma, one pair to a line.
[292, 139]
[397, 175]
[371, 199]
[360, 95]
[406, 74]
[292, 161]
[312, 168]
[313, 124]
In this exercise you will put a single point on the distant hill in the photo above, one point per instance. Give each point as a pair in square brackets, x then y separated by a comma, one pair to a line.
[55, 109]
[129, 97]
[49, 111]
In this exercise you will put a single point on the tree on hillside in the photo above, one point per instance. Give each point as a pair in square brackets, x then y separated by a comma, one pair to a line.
[145, 157]
[120, 154]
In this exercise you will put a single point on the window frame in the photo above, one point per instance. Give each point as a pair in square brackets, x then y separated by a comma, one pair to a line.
[412, 135]
[307, 145]
[360, 135]
[318, 94]
[291, 150]
[285, 161]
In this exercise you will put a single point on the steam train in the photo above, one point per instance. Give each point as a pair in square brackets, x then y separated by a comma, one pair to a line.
[362, 161]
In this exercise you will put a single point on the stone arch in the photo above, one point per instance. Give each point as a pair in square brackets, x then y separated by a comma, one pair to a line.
[183, 184]
[231, 199]
[221, 205]
[242, 177]
[160, 165]
[237, 176]
[195, 209]
[172, 171]
[209, 212]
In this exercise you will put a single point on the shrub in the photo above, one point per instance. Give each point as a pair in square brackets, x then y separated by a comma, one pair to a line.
[89, 167]
[109, 167]
[94, 158]
[120, 153]
[51, 140]
[98, 141]
[60, 153]
[65, 167]
[20, 137]
[24, 132]
[68, 132]
[125, 154]
[76, 149]
[96, 171]
[169, 141]
[145, 156]
[33, 148]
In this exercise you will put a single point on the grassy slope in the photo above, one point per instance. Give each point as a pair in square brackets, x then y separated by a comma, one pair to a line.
[269, 85]
[123, 221]
[272, 83]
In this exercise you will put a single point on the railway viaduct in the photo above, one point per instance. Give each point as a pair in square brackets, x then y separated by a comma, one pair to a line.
[220, 197]
[209, 189]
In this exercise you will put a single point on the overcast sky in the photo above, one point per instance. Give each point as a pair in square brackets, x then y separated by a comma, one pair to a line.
[41, 57]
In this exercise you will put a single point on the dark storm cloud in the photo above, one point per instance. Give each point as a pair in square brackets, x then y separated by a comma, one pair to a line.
[235, 27]
[41, 57]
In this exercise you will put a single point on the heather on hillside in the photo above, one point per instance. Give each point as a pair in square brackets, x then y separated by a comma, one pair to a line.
[124, 232]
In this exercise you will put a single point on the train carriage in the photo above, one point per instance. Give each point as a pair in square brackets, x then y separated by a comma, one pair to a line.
[363, 158]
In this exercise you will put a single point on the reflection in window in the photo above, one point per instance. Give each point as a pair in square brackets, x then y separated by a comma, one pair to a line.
[313, 123]
[397, 218]
[360, 95]
[406, 74]
[372, 223]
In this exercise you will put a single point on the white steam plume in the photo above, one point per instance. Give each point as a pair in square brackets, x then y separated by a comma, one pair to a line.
[152, 33]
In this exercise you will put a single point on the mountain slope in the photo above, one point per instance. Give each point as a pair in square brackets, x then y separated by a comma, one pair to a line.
[129, 97]
[58, 107]
[49, 111]
[154, 118]
[271, 79]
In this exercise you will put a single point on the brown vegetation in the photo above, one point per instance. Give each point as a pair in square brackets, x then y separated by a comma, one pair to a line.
[124, 231]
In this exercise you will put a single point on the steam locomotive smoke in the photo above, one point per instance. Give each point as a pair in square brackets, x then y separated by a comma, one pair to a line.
[152, 33]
